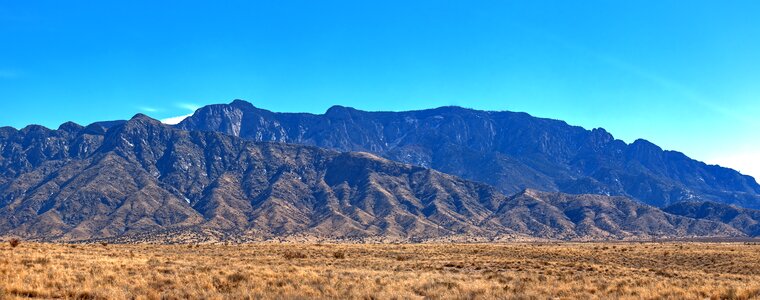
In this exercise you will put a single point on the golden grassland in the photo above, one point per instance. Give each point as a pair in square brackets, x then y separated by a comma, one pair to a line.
[405, 271]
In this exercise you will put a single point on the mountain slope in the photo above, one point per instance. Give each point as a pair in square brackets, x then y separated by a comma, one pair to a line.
[511, 151]
[745, 220]
[144, 179]
[146, 176]
[590, 215]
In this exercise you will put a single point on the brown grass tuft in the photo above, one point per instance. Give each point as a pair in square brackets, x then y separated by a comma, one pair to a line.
[290, 254]
[236, 278]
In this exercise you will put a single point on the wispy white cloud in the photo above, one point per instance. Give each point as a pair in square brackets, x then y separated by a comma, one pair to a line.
[192, 107]
[175, 120]
[188, 106]
[746, 161]
[148, 109]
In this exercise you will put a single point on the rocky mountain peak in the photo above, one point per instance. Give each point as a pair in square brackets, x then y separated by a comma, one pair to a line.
[36, 129]
[95, 129]
[141, 132]
[238, 103]
[339, 111]
[601, 135]
[7, 131]
[70, 127]
[142, 117]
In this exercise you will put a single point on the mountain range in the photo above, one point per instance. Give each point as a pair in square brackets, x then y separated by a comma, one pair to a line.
[510, 151]
[236, 172]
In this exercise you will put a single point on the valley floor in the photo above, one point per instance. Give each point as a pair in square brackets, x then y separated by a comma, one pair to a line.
[405, 271]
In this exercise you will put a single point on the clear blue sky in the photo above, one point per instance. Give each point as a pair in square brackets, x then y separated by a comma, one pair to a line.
[683, 74]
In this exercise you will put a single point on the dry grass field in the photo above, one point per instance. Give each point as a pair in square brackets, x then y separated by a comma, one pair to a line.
[411, 271]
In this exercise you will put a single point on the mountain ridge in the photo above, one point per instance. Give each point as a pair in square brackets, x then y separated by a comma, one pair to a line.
[745, 220]
[511, 151]
[142, 180]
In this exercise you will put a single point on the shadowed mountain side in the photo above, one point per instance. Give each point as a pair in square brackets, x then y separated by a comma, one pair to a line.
[511, 151]
[579, 217]
[746, 220]
[143, 178]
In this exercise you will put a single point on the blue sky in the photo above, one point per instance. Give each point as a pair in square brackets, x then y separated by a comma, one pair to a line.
[683, 74]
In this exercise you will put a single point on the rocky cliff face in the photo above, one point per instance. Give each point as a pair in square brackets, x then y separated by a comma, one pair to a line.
[140, 178]
[510, 151]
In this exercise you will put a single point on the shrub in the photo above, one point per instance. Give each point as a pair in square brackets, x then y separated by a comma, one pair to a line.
[14, 242]
[403, 257]
[43, 261]
[153, 262]
[339, 255]
[236, 278]
[729, 294]
[293, 254]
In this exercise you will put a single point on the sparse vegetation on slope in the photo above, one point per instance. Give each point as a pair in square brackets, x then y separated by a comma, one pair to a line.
[142, 178]
[406, 271]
